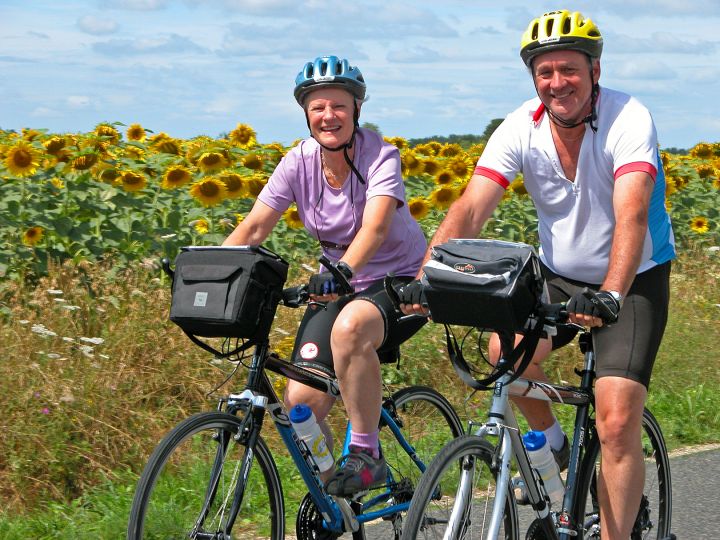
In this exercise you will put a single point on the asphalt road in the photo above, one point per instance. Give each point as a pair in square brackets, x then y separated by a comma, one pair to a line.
[696, 496]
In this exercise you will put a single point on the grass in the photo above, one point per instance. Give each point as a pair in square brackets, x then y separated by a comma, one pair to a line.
[93, 375]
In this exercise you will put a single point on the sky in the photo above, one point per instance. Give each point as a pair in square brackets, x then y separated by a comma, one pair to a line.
[200, 67]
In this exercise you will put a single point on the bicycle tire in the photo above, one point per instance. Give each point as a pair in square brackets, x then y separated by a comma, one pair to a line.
[172, 489]
[436, 496]
[655, 514]
[428, 422]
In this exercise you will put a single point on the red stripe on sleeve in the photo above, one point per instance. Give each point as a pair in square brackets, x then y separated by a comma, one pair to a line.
[492, 175]
[538, 114]
[637, 166]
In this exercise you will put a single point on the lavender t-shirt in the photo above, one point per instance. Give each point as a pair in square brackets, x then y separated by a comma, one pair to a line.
[335, 214]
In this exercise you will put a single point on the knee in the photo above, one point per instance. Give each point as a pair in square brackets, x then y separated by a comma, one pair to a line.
[619, 433]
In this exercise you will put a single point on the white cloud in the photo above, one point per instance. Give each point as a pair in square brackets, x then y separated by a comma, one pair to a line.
[418, 54]
[136, 5]
[45, 112]
[96, 26]
[78, 102]
[172, 44]
[643, 71]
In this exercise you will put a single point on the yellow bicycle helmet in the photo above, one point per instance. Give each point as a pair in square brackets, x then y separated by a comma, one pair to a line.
[560, 30]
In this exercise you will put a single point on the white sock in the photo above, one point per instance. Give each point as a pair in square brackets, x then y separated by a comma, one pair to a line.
[555, 436]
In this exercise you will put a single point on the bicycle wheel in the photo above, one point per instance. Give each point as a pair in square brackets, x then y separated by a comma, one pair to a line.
[428, 422]
[653, 519]
[188, 486]
[456, 495]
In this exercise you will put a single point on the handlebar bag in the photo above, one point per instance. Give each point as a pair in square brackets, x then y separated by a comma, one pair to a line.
[488, 284]
[227, 291]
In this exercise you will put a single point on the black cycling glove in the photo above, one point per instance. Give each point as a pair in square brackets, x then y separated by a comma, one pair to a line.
[599, 304]
[412, 293]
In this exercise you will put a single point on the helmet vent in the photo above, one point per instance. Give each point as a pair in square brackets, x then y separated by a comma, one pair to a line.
[323, 68]
[549, 27]
[535, 31]
[566, 26]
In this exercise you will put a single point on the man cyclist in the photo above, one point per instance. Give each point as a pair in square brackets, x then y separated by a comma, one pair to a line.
[350, 195]
[590, 162]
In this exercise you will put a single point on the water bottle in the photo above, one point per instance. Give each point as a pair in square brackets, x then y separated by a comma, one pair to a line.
[543, 461]
[308, 430]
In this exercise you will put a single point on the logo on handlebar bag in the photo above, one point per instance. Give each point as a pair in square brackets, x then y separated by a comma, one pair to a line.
[466, 268]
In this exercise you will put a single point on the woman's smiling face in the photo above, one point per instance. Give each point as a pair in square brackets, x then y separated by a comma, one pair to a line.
[330, 115]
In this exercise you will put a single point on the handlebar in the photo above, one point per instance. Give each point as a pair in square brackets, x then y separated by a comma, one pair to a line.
[344, 286]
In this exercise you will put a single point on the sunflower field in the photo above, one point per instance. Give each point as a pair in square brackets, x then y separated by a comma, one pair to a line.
[130, 196]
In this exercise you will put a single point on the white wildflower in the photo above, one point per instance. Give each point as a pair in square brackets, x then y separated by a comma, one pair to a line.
[71, 308]
[714, 248]
[40, 329]
[93, 340]
[59, 300]
[23, 321]
[53, 356]
[54, 291]
[166, 236]
[68, 339]
[87, 350]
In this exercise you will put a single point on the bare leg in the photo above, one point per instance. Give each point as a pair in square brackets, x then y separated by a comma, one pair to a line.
[357, 333]
[619, 406]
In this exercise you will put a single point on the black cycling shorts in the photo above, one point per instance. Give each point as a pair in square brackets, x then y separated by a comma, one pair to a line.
[628, 347]
[312, 343]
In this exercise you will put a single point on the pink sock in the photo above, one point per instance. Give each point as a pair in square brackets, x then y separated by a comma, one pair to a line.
[366, 441]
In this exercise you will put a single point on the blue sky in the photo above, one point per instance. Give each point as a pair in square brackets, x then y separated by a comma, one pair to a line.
[191, 67]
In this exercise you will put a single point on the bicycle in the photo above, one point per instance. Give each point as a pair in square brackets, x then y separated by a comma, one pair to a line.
[214, 477]
[478, 500]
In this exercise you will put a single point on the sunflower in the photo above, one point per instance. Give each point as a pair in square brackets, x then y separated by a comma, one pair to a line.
[108, 175]
[238, 218]
[243, 136]
[292, 217]
[234, 184]
[430, 166]
[253, 161]
[30, 134]
[670, 186]
[22, 159]
[699, 224]
[518, 186]
[59, 184]
[254, 185]
[443, 197]
[397, 142]
[444, 177]
[33, 235]
[132, 181]
[168, 146]
[211, 161]
[450, 150]
[134, 152]
[136, 133]
[461, 167]
[176, 176]
[705, 171]
[54, 145]
[200, 225]
[702, 151]
[209, 191]
[411, 165]
[716, 183]
[84, 161]
[418, 207]
[106, 130]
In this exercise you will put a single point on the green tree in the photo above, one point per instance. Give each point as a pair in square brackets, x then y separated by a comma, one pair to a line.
[370, 125]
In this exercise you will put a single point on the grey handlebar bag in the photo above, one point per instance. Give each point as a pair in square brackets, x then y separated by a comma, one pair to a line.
[488, 284]
[230, 292]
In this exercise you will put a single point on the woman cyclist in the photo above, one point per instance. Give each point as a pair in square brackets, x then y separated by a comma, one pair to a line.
[348, 188]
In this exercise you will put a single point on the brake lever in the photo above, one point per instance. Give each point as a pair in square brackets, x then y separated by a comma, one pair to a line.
[344, 286]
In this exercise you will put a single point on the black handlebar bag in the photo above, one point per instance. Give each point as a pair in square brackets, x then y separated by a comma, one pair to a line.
[488, 284]
[230, 292]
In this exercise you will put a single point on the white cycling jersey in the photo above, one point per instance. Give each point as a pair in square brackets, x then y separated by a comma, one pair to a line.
[576, 218]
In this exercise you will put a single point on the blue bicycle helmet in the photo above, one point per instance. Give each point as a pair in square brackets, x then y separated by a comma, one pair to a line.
[329, 72]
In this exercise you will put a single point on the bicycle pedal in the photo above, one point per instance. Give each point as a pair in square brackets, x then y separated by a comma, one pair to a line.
[521, 495]
[350, 522]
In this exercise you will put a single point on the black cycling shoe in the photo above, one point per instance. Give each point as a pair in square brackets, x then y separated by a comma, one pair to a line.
[562, 456]
[358, 471]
